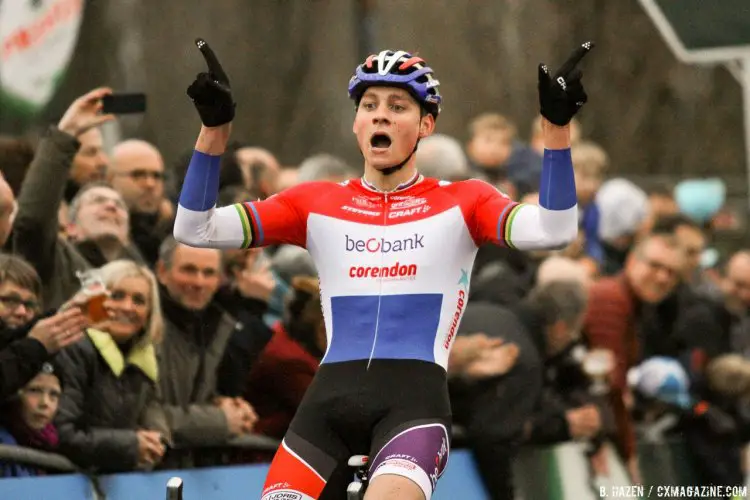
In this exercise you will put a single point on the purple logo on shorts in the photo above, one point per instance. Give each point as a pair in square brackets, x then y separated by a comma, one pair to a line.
[424, 446]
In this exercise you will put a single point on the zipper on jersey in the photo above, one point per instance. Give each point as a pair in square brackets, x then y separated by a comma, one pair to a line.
[380, 279]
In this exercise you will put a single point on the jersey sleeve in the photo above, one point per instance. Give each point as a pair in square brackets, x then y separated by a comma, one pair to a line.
[490, 214]
[279, 219]
[199, 223]
[551, 225]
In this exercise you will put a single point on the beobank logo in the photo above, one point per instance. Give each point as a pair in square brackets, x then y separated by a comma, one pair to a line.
[382, 245]
[397, 270]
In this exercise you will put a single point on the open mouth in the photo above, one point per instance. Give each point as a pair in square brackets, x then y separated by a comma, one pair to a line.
[380, 140]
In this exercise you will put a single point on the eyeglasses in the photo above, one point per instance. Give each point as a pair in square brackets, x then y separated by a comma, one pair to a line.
[103, 200]
[142, 174]
[658, 266]
[13, 302]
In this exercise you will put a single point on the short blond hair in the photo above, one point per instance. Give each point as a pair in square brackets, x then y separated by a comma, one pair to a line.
[589, 157]
[557, 268]
[729, 375]
[490, 122]
[118, 270]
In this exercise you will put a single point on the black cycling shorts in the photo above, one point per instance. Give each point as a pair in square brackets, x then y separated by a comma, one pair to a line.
[395, 411]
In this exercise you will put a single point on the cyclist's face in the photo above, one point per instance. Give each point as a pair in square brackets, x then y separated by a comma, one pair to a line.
[388, 124]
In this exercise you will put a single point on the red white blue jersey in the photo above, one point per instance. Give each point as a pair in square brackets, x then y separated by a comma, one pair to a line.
[394, 267]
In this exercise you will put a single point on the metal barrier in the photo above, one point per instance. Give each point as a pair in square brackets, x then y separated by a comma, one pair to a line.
[41, 459]
[53, 462]
[248, 441]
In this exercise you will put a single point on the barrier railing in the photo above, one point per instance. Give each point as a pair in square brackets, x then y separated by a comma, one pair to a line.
[36, 458]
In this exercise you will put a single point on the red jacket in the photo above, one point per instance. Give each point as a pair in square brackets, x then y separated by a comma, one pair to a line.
[278, 381]
[610, 324]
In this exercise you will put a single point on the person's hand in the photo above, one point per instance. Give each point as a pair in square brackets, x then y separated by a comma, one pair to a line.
[583, 422]
[600, 462]
[84, 114]
[250, 416]
[256, 284]
[562, 95]
[240, 417]
[210, 90]
[61, 330]
[634, 470]
[150, 447]
[467, 348]
[493, 362]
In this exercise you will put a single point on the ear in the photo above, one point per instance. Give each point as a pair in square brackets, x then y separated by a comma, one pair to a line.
[71, 230]
[426, 126]
[161, 271]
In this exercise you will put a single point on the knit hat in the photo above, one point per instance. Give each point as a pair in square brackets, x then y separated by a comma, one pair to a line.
[623, 206]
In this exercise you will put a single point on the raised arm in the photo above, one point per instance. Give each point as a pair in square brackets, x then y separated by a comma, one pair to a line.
[198, 221]
[553, 223]
[36, 226]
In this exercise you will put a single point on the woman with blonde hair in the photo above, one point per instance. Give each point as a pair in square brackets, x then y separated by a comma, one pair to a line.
[109, 417]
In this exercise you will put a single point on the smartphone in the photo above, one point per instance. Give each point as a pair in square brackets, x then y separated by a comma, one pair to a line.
[123, 104]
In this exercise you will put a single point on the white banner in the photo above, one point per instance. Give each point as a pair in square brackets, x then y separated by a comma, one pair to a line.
[37, 39]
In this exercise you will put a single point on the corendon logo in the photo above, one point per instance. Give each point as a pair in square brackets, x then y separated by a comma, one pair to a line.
[375, 245]
[402, 271]
[464, 282]
[456, 318]
[438, 462]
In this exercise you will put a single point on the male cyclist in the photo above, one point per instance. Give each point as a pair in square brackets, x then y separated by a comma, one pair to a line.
[394, 252]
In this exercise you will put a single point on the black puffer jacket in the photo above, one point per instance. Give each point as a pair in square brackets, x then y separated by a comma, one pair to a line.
[107, 397]
[21, 358]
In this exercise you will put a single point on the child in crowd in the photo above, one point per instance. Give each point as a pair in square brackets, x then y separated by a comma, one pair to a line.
[589, 163]
[489, 147]
[26, 419]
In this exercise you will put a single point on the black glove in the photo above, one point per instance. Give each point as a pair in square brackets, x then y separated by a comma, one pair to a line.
[210, 91]
[561, 96]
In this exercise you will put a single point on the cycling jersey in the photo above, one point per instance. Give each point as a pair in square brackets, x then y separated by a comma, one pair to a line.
[394, 273]
[394, 267]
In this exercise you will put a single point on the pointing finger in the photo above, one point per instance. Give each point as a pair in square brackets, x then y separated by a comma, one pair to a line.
[214, 67]
[574, 59]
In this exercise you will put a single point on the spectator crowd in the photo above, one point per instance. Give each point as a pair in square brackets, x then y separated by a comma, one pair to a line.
[125, 350]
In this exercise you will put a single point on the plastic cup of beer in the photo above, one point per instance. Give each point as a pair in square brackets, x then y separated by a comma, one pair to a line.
[597, 364]
[95, 291]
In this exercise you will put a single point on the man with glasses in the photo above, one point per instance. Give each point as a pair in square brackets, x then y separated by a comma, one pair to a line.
[137, 173]
[652, 271]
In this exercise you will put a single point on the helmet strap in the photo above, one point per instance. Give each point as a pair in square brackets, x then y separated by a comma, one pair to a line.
[391, 170]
